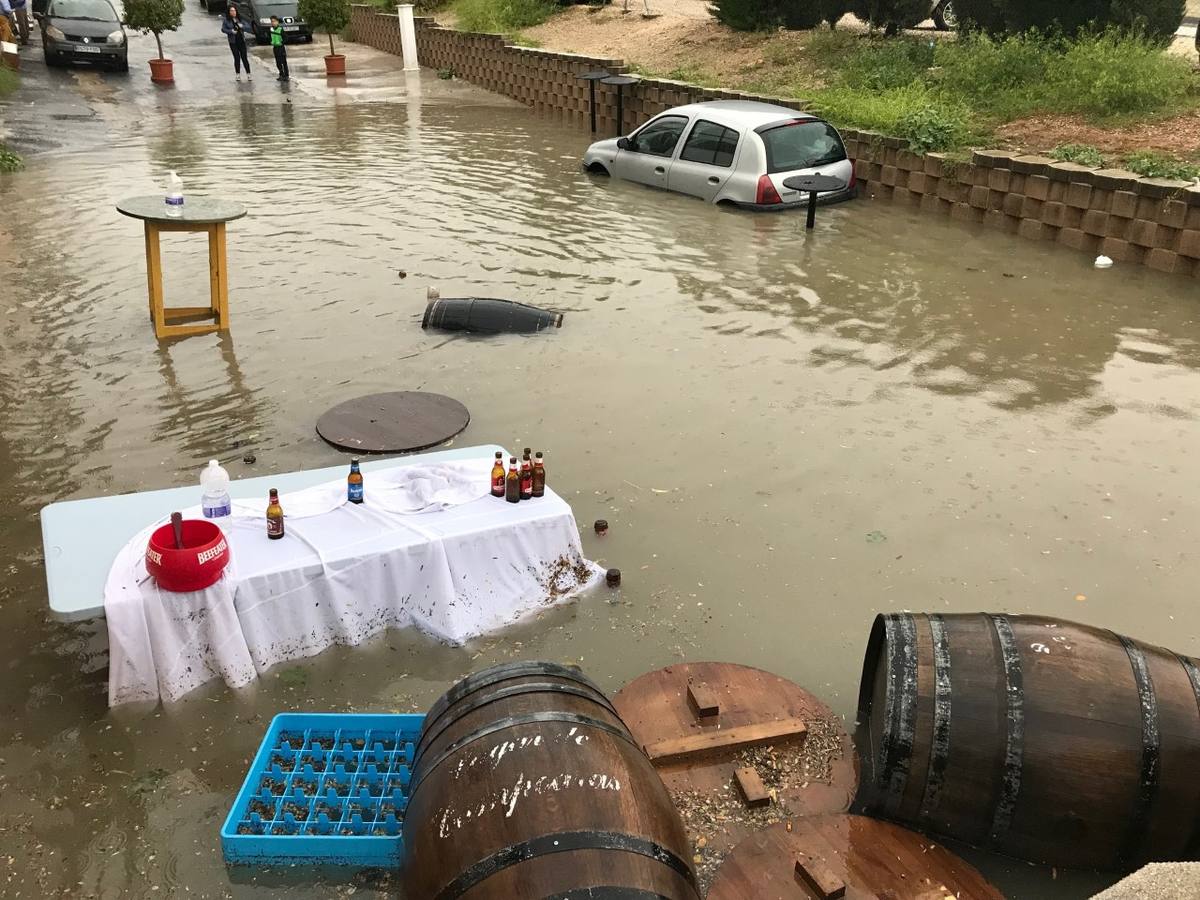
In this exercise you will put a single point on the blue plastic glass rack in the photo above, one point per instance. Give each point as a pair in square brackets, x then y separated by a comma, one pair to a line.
[325, 789]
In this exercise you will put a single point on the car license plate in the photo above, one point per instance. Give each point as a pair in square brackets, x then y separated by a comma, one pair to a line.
[87, 48]
[291, 27]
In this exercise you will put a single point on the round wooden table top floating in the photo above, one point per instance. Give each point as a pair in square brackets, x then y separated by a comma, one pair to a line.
[193, 211]
[829, 857]
[814, 183]
[393, 422]
[698, 723]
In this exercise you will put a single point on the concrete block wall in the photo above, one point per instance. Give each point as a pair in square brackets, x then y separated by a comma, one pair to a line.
[1141, 221]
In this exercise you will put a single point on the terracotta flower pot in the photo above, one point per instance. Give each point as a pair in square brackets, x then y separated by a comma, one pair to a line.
[335, 64]
[162, 71]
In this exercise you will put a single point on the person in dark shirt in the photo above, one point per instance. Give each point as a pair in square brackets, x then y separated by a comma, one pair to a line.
[280, 50]
[234, 28]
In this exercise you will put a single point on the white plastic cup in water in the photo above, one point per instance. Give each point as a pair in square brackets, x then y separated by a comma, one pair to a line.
[1103, 262]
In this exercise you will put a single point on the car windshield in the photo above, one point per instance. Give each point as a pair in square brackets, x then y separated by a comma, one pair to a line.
[95, 10]
[802, 145]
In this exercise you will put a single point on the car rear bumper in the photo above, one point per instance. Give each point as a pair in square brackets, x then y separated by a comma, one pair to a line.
[822, 200]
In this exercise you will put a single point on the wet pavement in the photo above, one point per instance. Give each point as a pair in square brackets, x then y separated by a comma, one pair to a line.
[786, 433]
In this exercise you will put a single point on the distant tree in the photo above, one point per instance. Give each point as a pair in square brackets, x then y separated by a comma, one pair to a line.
[328, 16]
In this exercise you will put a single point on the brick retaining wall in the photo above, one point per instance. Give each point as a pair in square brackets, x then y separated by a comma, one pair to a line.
[1146, 221]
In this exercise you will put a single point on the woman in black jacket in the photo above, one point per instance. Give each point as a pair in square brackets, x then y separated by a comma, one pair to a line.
[234, 28]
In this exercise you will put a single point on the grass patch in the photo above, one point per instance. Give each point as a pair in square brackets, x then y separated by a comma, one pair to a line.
[9, 161]
[1150, 164]
[9, 80]
[501, 16]
[942, 94]
[1078, 153]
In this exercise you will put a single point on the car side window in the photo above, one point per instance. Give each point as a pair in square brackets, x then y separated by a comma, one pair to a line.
[659, 137]
[711, 144]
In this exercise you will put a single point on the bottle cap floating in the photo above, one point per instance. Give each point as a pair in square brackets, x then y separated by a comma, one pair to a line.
[601, 526]
[613, 577]
[200, 562]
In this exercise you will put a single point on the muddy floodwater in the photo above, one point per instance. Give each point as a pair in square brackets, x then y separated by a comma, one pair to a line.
[787, 434]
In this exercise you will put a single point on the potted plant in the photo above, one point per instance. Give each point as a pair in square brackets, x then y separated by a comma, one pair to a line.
[328, 16]
[154, 17]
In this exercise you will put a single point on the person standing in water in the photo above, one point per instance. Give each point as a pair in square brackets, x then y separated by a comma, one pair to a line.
[279, 49]
[235, 29]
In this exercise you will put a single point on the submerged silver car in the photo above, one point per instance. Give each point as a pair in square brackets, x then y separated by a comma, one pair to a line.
[728, 151]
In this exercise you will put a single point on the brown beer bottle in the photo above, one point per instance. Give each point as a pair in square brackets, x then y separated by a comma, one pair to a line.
[498, 475]
[512, 482]
[539, 476]
[274, 517]
[354, 482]
[526, 476]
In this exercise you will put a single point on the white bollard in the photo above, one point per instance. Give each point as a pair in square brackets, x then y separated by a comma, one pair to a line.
[408, 37]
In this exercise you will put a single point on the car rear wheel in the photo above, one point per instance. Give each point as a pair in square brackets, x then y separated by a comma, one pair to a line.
[944, 16]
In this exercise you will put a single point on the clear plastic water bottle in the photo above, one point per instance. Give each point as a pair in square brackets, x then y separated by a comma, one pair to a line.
[215, 503]
[174, 197]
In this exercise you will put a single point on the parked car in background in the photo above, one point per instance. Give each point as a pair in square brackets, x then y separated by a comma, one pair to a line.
[728, 151]
[943, 15]
[258, 13]
[84, 31]
[215, 6]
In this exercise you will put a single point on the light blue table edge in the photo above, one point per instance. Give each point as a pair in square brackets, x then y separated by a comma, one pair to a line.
[88, 533]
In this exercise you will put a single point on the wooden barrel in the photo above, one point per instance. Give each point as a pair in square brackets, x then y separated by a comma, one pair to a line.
[1039, 738]
[526, 784]
[487, 315]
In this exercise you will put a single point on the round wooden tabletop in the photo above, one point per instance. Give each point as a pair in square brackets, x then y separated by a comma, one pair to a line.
[739, 748]
[393, 422]
[854, 857]
[194, 211]
[819, 183]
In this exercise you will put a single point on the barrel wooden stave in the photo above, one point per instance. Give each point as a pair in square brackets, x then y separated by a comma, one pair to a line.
[1079, 765]
[534, 792]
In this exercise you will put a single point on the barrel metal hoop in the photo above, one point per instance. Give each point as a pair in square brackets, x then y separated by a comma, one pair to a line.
[513, 690]
[504, 672]
[1148, 780]
[562, 842]
[1014, 745]
[510, 722]
[902, 693]
[1193, 675]
[939, 750]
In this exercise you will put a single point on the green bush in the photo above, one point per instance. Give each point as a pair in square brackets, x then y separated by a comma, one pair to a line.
[9, 161]
[154, 17]
[891, 14]
[1111, 75]
[1078, 153]
[832, 10]
[912, 112]
[501, 16]
[882, 64]
[1158, 19]
[766, 15]
[1000, 76]
[1150, 164]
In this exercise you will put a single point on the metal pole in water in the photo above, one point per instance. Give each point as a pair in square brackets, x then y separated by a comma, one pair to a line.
[408, 37]
[812, 210]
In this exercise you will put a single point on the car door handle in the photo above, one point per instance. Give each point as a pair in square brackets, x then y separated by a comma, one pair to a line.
[659, 170]
[714, 180]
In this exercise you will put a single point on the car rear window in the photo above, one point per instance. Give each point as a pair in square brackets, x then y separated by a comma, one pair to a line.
[82, 9]
[801, 145]
[711, 144]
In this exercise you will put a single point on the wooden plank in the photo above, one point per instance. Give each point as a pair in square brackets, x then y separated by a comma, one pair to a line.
[167, 331]
[151, 250]
[219, 265]
[703, 701]
[751, 786]
[183, 312]
[819, 878]
[154, 277]
[726, 739]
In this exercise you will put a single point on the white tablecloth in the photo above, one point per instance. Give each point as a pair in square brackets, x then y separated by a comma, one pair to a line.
[468, 564]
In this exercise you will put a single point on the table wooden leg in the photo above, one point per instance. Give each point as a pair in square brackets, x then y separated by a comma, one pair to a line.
[218, 275]
[154, 278]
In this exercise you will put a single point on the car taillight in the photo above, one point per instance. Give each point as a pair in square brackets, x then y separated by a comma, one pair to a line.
[766, 193]
[853, 176]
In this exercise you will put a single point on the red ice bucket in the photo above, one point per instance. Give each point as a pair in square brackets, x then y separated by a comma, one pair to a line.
[200, 563]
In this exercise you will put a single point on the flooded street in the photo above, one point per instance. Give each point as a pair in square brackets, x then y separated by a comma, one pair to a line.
[788, 434]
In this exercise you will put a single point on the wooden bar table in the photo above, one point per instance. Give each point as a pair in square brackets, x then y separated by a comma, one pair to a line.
[197, 214]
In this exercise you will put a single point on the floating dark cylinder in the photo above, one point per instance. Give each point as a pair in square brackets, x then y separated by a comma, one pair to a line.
[1039, 738]
[526, 784]
[487, 315]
